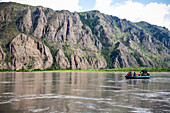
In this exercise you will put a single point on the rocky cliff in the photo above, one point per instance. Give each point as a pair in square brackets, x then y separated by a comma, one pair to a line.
[27, 53]
[40, 38]
[61, 60]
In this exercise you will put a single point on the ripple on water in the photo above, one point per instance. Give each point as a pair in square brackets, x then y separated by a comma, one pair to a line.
[53, 96]
[155, 94]
[39, 110]
[161, 80]
[91, 106]
[133, 108]
[154, 97]
[141, 110]
[83, 90]
[10, 101]
[8, 93]
[110, 81]
[115, 87]
[5, 82]
[113, 81]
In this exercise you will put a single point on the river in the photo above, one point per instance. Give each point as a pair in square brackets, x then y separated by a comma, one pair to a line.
[47, 92]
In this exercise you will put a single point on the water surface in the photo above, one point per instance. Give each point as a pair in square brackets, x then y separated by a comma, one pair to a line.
[83, 92]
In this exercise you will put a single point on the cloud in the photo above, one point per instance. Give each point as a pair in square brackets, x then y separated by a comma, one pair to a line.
[71, 5]
[153, 13]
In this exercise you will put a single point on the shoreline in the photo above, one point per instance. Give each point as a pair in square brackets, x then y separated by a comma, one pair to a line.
[132, 69]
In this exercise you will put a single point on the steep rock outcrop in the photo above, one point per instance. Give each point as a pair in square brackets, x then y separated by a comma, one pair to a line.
[110, 30]
[3, 64]
[40, 21]
[97, 63]
[78, 61]
[146, 62]
[29, 54]
[25, 22]
[66, 27]
[160, 33]
[122, 57]
[2, 16]
[61, 60]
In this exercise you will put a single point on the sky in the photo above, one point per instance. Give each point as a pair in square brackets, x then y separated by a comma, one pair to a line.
[156, 12]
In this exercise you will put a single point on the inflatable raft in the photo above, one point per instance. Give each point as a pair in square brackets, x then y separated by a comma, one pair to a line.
[138, 77]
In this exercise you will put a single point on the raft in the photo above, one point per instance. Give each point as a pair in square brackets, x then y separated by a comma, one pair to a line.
[138, 77]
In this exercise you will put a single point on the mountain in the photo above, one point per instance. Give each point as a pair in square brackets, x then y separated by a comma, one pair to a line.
[40, 38]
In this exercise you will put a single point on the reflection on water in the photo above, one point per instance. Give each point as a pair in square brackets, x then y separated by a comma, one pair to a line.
[83, 92]
[138, 82]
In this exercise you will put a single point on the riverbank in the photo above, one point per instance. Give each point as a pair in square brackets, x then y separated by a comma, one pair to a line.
[136, 69]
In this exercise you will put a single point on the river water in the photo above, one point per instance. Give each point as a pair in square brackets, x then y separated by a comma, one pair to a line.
[83, 92]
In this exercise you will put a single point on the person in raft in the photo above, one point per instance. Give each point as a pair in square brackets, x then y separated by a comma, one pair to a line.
[143, 72]
[130, 73]
[134, 74]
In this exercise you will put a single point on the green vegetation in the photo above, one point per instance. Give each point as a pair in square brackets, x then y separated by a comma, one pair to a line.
[106, 53]
[91, 21]
[31, 63]
[136, 69]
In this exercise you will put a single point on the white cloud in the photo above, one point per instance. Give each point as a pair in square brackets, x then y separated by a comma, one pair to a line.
[71, 5]
[100, 3]
[153, 13]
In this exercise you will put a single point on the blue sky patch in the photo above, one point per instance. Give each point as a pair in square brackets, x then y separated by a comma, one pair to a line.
[87, 4]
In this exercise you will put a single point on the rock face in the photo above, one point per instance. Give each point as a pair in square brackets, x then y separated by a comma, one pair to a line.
[3, 64]
[40, 22]
[97, 63]
[25, 22]
[29, 54]
[147, 62]
[61, 60]
[139, 46]
[78, 62]
[85, 40]
[122, 57]
[161, 34]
